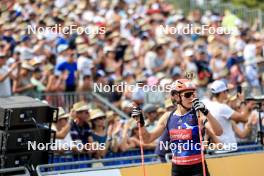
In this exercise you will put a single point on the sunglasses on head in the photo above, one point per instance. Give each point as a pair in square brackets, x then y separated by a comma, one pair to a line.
[188, 94]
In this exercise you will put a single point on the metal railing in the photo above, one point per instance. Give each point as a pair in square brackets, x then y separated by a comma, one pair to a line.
[67, 99]
[50, 169]
[15, 171]
[244, 13]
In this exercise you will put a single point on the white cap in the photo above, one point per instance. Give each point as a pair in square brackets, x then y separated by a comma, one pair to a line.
[62, 47]
[218, 87]
[188, 52]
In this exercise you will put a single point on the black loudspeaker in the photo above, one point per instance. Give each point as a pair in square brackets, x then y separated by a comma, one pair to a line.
[14, 140]
[24, 120]
[21, 111]
[32, 158]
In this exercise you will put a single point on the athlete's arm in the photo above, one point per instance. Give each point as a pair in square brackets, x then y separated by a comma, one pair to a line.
[150, 137]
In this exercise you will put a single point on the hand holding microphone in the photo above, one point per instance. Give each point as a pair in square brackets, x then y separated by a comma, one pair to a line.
[199, 106]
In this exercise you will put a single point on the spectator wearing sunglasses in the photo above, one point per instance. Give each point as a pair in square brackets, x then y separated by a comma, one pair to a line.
[99, 131]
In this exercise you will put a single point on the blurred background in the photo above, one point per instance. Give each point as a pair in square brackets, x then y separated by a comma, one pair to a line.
[125, 43]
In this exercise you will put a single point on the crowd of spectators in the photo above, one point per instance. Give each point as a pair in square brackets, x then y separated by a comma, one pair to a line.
[130, 47]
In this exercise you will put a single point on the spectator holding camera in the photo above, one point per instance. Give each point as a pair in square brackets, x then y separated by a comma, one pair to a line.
[224, 114]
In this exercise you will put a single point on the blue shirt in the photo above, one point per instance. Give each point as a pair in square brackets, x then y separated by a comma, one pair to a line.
[99, 139]
[184, 130]
[72, 68]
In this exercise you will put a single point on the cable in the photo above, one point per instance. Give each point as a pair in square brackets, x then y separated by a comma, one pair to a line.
[141, 149]
[201, 142]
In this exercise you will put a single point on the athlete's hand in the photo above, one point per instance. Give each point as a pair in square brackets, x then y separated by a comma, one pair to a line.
[199, 106]
[138, 116]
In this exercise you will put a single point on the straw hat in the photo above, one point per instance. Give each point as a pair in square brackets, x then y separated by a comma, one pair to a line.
[132, 124]
[27, 66]
[62, 114]
[161, 110]
[96, 113]
[111, 115]
[48, 67]
[79, 40]
[168, 103]
[80, 106]
[82, 48]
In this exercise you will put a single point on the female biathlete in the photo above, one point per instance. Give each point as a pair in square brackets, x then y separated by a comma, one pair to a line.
[181, 127]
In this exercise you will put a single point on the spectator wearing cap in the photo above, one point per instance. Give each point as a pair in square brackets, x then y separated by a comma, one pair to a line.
[69, 66]
[150, 113]
[23, 85]
[25, 48]
[80, 129]
[6, 74]
[224, 114]
[188, 59]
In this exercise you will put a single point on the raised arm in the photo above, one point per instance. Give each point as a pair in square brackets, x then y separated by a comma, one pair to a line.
[149, 137]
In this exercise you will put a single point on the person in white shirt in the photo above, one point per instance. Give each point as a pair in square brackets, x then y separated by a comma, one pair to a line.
[224, 114]
[6, 74]
[62, 127]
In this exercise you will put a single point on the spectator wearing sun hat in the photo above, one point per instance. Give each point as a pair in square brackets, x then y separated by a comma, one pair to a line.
[62, 128]
[23, 85]
[80, 129]
[169, 106]
[100, 133]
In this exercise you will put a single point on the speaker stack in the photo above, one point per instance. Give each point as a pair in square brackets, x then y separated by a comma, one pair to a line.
[24, 120]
